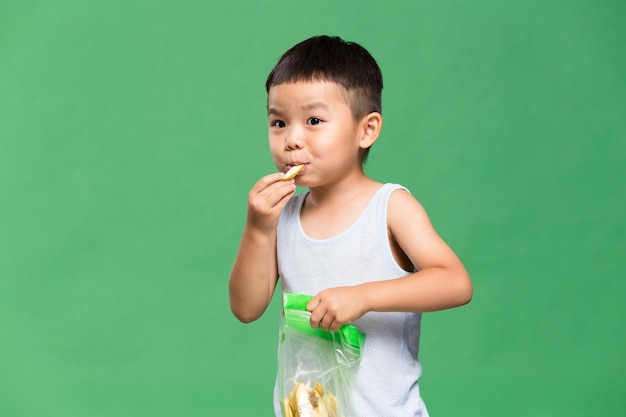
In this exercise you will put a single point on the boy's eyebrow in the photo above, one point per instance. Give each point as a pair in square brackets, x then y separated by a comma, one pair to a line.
[315, 105]
[274, 111]
[307, 107]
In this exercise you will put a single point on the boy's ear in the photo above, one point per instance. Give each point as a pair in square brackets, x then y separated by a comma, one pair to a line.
[371, 125]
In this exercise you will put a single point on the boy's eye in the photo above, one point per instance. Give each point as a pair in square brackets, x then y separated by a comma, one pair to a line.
[277, 123]
[314, 121]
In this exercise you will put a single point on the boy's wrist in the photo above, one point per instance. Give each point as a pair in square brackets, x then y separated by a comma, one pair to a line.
[366, 297]
[257, 233]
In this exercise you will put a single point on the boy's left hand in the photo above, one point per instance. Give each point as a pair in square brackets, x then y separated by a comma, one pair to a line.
[333, 307]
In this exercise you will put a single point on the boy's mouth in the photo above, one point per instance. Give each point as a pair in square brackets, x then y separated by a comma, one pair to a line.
[296, 164]
[293, 171]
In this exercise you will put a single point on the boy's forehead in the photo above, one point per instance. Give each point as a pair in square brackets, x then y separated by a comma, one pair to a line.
[305, 93]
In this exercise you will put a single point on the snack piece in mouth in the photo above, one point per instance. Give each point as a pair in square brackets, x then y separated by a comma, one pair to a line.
[293, 171]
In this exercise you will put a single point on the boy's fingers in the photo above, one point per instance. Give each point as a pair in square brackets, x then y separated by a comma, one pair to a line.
[334, 326]
[326, 323]
[317, 324]
[316, 316]
[313, 302]
[269, 179]
[269, 188]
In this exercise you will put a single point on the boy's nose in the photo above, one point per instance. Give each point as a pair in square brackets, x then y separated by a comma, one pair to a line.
[294, 140]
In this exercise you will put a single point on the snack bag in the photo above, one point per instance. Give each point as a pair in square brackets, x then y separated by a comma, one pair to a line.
[315, 365]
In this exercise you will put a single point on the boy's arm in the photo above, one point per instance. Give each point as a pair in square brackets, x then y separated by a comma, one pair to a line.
[440, 283]
[254, 274]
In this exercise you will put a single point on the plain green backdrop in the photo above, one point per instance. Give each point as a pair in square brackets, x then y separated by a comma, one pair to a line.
[131, 132]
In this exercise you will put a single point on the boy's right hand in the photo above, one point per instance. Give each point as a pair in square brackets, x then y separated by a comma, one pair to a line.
[266, 201]
[255, 273]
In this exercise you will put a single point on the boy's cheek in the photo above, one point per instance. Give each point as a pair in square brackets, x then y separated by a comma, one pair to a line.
[276, 149]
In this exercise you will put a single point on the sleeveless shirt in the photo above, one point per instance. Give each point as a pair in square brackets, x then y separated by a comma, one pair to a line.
[386, 383]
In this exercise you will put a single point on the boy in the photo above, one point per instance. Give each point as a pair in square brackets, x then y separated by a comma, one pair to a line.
[367, 251]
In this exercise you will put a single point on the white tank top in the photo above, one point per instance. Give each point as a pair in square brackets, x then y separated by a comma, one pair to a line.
[386, 382]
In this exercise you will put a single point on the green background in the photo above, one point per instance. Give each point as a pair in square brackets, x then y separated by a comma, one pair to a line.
[131, 132]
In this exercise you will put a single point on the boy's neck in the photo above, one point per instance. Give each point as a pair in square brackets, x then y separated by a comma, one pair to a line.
[340, 192]
[330, 210]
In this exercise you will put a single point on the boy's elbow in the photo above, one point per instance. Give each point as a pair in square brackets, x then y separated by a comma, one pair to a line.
[244, 318]
[466, 297]
[465, 291]
[244, 315]
[241, 308]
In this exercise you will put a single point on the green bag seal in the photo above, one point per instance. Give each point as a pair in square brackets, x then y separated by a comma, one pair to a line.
[296, 316]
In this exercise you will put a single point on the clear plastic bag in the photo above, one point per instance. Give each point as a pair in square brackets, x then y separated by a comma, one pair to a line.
[315, 366]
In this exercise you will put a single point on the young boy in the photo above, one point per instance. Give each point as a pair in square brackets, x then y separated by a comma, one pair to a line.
[367, 251]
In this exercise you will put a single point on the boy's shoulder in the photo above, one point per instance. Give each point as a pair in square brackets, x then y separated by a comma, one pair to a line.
[404, 209]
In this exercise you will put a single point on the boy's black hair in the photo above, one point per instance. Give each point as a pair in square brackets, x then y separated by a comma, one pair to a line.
[330, 58]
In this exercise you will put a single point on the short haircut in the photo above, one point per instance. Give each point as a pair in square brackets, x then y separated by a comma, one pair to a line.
[330, 58]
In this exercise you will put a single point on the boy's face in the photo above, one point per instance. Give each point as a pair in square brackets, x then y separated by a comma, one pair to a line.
[311, 123]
